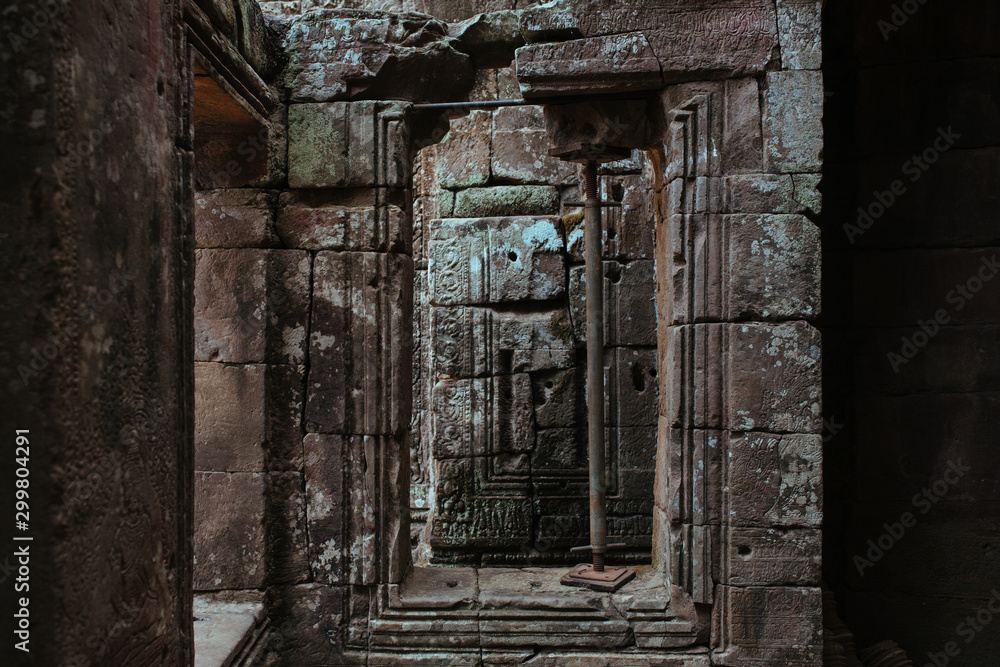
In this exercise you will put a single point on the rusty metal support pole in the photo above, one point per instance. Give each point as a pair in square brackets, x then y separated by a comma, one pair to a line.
[595, 369]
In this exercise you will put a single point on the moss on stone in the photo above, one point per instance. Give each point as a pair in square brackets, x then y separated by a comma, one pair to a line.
[571, 221]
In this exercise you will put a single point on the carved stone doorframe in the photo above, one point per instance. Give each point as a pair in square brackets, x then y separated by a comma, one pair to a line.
[738, 459]
[737, 488]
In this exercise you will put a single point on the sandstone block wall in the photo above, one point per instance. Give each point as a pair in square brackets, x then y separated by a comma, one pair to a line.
[470, 255]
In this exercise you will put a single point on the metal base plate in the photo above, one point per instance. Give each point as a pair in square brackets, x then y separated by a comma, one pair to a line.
[609, 581]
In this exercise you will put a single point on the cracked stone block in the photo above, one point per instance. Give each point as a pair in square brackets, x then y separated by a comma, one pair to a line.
[775, 557]
[229, 533]
[483, 417]
[507, 86]
[463, 156]
[340, 501]
[612, 123]
[286, 539]
[485, 87]
[349, 144]
[235, 218]
[775, 480]
[324, 489]
[333, 55]
[473, 342]
[491, 38]
[775, 378]
[288, 276]
[799, 24]
[250, 305]
[285, 396]
[331, 226]
[358, 382]
[711, 41]
[360, 344]
[521, 149]
[629, 304]
[230, 421]
[793, 122]
[807, 193]
[496, 260]
[775, 267]
[506, 200]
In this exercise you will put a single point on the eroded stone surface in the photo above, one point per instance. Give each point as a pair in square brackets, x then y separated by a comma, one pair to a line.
[230, 305]
[585, 66]
[229, 417]
[697, 38]
[629, 304]
[338, 55]
[506, 200]
[793, 121]
[336, 227]
[799, 24]
[494, 260]
[774, 557]
[775, 265]
[770, 625]
[472, 342]
[235, 218]
[358, 380]
[483, 417]
[229, 538]
[521, 149]
[760, 193]
[463, 156]
[775, 376]
[348, 144]
[250, 305]
[775, 480]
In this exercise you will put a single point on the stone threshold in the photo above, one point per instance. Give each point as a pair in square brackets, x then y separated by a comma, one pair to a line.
[228, 628]
[523, 611]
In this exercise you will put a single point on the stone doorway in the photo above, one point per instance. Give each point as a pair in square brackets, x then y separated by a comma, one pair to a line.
[498, 438]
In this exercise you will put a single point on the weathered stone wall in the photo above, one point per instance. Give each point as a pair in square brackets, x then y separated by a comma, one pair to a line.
[733, 164]
[96, 328]
[913, 299]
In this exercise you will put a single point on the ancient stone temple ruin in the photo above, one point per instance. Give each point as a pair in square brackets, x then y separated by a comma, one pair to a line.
[344, 414]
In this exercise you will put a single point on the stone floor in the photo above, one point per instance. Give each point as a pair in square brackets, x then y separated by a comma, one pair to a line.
[226, 631]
